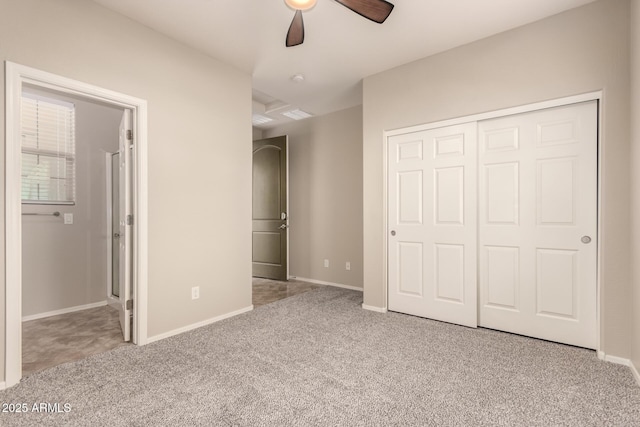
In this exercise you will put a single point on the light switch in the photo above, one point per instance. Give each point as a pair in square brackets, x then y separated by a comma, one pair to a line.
[68, 218]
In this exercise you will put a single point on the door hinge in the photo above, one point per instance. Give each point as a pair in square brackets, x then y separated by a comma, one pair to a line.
[129, 219]
[129, 135]
[129, 304]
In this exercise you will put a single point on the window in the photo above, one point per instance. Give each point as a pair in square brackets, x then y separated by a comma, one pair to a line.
[48, 150]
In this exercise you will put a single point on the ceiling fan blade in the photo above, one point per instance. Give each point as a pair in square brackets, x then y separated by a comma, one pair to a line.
[295, 35]
[375, 10]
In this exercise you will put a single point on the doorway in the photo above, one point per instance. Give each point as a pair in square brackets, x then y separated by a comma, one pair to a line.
[18, 77]
[494, 223]
[270, 229]
[64, 227]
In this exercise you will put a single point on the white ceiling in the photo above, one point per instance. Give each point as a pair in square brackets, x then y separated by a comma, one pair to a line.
[340, 47]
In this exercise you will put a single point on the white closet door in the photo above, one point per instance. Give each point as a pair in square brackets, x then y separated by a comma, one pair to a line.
[538, 224]
[432, 224]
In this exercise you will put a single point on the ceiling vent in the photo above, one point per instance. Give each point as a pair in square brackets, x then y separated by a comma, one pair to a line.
[296, 114]
[259, 119]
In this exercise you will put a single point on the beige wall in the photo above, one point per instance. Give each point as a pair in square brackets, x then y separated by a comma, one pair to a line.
[325, 194]
[582, 50]
[635, 178]
[66, 265]
[199, 133]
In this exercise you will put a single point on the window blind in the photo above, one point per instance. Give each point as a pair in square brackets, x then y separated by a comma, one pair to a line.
[48, 150]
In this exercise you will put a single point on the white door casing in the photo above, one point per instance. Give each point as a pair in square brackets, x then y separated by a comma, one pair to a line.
[125, 226]
[432, 224]
[15, 76]
[538, 184]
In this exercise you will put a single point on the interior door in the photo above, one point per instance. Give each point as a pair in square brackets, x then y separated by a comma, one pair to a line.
[270, 217]
[432, 224]
[538, 224]
[124, 225]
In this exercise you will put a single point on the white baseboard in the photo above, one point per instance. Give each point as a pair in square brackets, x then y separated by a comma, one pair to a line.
[321, 282]
[613, 359]
[63, 311]
[373, 308]
[620, 361]
[635, 372]
[197, 325]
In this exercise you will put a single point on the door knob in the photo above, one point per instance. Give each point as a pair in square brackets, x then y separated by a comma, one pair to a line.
[393, 232]
[283, 226]
[585, 239]
[116, 235]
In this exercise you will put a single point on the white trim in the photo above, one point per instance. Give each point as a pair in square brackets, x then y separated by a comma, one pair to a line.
[13, 231]
[617, 360]
[613, 359]
[15, 76]
[198, 325]
[635, 372]
[63, 311]
[287, 231]
[3, 385]
[141, 237]
[591, 96]
[600, 247]
[321, 282]
[559, 102]
[620, 361]
[372, 308]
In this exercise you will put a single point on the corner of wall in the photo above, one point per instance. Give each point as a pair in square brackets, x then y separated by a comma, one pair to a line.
[634, 52]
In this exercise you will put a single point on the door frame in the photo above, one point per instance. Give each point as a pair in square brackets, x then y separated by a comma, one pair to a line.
[15, 76]
[559, 102]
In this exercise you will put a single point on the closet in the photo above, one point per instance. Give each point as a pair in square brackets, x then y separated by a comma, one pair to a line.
[494, 223]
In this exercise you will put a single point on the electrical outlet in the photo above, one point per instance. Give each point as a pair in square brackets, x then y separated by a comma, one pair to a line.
[195, 292]
[326, 263]
[348, 266]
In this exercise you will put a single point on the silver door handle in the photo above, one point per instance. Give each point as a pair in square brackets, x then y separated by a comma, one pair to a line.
[116, 235]
[283, 227]
[585, 239]
[393, 232]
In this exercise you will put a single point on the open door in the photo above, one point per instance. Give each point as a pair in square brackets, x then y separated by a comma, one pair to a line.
[270, 217]
[124, 239]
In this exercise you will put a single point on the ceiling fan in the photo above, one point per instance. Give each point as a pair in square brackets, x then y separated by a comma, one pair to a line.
[374, 10]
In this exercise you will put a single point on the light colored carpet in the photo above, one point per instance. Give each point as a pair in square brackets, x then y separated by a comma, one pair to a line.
[318, 359]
